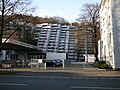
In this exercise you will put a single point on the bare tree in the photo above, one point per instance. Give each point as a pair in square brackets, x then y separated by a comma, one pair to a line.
[89, 19]
[80, 43]
[13, 16]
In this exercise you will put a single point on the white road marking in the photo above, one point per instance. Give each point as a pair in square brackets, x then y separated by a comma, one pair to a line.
[111, 78]
[80, 77]
[94, 78]
[117, 78]
[52, 77]
[102, 78]
[13, 84]
[87, 78]
[59, 77]
[74, 77]
[100, 88]
[67, 77]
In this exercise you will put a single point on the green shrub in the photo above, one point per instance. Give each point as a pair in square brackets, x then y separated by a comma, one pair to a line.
[104, 66]
[6, 72]
[100, 63]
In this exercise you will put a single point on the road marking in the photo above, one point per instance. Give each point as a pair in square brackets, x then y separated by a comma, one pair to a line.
[80, 77]
[118, 78]
[87, 78]
[102, 78]
[13, 84]
[59, 77]
[111, 78]
[53, 77]
[67, 77]
[74, 77]
[44, 77]
[94, 78]
[100, 88]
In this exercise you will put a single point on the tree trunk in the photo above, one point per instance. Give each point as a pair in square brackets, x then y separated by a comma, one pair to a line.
[2, 25]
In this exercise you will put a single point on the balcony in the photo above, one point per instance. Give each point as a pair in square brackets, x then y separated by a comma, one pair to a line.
[42, 38]
[71, 47]
[51, 47]
[53, 30]
[46, 27]
[50, 50]
[51, 41]
[71, 51]
[70, 57]
[40, 43]
[70, 54]
[62, 36]
[43, 32]
[52, 35]
[61, 51]
[62, 47]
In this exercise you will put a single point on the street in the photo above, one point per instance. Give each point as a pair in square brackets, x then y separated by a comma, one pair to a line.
[72, 78]
[16, 82]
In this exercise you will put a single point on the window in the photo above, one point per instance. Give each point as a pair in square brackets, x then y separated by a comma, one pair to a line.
[110, 37]
[105, 51]
[109, 20]
[102, 44]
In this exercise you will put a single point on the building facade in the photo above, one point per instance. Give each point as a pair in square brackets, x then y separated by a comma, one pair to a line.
[109, 44]
[52, 37]
[57, 38]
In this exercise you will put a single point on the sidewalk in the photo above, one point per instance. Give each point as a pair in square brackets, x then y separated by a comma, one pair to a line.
[77, 70]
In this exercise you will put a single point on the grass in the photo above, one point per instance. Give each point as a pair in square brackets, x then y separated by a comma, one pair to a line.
[6, 72]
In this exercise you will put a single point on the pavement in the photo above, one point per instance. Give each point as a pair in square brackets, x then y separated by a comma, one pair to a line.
[75, 70]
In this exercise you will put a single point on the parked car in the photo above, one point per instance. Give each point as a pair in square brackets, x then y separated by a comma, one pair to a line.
[59, 61]
[52, 63]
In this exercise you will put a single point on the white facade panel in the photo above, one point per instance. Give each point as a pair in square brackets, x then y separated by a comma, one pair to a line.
[110, 32]
[51, 56]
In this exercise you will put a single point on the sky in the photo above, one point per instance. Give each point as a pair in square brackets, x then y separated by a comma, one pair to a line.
[68, 9]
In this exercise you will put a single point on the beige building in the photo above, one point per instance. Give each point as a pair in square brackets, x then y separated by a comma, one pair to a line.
[109, 44]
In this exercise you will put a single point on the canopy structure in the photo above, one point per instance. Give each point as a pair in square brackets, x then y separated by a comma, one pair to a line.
[18, 46]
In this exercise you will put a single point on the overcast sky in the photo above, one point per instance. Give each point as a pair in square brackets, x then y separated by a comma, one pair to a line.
[68, 9]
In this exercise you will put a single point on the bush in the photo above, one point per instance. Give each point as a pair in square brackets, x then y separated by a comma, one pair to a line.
[102, 65]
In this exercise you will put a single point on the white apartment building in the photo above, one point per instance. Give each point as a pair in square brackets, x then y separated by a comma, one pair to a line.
[57, 38]
[52, 37]
[109, 44]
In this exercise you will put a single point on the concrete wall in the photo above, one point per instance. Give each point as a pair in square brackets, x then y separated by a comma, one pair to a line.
[89, 58]
[116, 32]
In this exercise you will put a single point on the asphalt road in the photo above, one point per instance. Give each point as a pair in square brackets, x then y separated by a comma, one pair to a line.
[16, 82]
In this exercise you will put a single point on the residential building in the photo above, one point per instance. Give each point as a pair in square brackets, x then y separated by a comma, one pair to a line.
[52, 37]
[109, 43]
[57, 38]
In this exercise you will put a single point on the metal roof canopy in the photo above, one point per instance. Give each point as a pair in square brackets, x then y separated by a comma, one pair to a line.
[18, 46]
